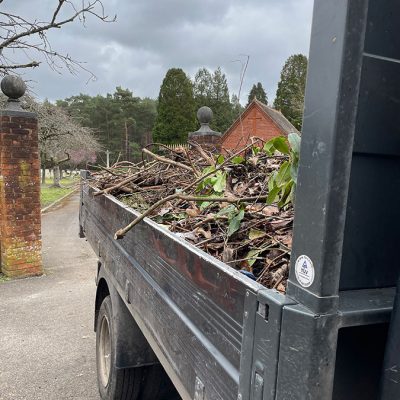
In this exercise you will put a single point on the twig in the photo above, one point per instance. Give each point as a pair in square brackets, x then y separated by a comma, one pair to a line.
[122, 232]
[209, 219]
[124, 182]
[167, 160]
[197, 181]
[195, 170]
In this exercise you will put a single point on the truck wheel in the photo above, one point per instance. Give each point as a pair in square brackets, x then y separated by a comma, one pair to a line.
[114, 384]
[141, 383]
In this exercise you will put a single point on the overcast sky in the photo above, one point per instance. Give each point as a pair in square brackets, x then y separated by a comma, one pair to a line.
[151, 36]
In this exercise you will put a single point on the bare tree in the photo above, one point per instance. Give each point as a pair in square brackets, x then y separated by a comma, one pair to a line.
[62, 138]
[28, 37]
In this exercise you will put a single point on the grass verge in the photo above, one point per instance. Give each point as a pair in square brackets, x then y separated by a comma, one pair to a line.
[49, 195]
[3, 278]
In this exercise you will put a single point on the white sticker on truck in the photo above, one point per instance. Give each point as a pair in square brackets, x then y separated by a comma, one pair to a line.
[305, 272]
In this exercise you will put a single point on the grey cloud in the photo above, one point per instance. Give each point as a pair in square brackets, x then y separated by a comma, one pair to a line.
[151, 36]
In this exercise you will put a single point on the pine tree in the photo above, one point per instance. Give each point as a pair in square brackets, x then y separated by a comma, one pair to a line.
[237, 108]
[258, 92]
[220, 102]
[211, 90]
[202, 87]
[114, 116]
[291, 88]
[176, 108]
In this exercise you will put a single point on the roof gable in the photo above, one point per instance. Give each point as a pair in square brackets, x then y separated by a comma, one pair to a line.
[274, 115]
[277, 117]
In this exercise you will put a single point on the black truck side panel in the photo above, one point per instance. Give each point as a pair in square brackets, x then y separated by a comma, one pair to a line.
[191, 304]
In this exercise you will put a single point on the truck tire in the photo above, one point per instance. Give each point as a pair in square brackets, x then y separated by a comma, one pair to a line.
[114, 384]
[141, 383]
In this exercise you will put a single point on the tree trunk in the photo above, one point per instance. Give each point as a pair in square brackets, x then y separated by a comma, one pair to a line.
[56, 176]
[43, 176]
[61, 173]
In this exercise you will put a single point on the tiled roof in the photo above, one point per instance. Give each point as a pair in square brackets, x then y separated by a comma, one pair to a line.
[278, 118]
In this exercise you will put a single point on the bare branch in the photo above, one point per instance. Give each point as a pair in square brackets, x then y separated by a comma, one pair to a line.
[16, 33]
[32, 64]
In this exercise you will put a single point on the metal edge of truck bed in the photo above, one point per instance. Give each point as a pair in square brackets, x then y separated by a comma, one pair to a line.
[192, 305]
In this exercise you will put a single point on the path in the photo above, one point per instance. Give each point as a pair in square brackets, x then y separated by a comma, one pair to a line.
[47, 343]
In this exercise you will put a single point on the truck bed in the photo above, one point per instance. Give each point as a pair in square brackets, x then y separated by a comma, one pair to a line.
[190, 306]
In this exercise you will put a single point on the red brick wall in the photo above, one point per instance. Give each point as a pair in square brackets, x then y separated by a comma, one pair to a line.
[20, 226]
[254, 123]
[208, 142]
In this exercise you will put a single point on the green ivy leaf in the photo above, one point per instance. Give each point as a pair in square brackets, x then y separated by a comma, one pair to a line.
[281, 145]
[219, 184]
[283, 174]
[294, 141]
[272, 195]
[271, 181]
[234, 223]
[294, 171]
[269, 147]
[208, 170]
[255, 150]
[237, 160]
[204, 205]
[230, 211]
[220, 159]
[256, 234]
[285, 196]
[252, 256]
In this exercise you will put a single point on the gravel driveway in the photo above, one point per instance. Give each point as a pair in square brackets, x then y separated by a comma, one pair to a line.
[47, 343]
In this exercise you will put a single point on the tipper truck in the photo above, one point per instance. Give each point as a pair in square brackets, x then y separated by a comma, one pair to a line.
[173, 322]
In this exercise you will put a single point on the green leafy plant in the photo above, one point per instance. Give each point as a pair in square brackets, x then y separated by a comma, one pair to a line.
[213, 184]
[235, 216]
[282, 183]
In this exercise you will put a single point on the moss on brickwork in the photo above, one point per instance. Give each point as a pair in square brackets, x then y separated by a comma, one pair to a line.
[19, 199]
[23, 176]
[21, 257]
[3, 278]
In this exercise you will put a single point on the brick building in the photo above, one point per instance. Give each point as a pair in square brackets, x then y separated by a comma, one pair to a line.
[257, 120]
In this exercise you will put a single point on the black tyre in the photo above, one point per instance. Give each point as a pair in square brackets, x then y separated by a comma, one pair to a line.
[142, 383]
[114, 384]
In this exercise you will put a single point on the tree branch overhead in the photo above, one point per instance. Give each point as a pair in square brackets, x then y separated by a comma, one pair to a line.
[30, 36]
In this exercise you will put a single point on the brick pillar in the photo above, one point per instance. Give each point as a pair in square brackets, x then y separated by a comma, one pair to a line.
[205, 136]
[20, 224]
[208, 142]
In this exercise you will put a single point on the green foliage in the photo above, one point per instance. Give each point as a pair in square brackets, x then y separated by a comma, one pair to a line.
[238, 160]
[291, 88]
[176, 108]
[202, 88]
[257, 92]
[234, 222]
[237, 108]
[235, 216]
[282, 183]
[112, 117]
[215, 184]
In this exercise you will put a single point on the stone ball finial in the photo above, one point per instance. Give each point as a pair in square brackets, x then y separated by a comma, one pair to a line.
[204, 115]
[13, 87]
